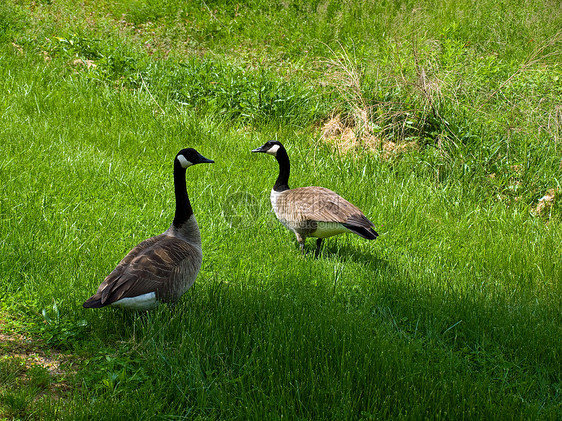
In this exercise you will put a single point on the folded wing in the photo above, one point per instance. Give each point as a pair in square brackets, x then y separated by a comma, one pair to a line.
[153, 263]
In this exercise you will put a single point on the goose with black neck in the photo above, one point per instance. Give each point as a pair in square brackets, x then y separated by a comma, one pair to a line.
[312, 211]
[162, 268]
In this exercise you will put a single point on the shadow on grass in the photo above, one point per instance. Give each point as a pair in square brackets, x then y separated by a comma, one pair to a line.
[398, 339]
[347, 251]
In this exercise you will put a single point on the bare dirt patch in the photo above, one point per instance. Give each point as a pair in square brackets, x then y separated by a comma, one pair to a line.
[29, 362]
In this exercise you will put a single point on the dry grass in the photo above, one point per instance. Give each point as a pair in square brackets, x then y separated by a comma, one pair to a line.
[342, 136]
[355, 130]
[546, 204]
[373, 125]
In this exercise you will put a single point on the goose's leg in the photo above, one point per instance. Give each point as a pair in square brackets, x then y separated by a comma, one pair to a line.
[318, 245]
[300, 239]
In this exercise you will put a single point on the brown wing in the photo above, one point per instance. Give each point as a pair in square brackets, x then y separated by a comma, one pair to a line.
[305, 206]
[316, 204]
[146, 268]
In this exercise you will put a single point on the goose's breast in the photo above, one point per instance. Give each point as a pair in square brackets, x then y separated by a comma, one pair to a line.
[279, 205]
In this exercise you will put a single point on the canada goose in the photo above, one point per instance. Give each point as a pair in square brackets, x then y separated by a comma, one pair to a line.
[163, 267]
[312, 211]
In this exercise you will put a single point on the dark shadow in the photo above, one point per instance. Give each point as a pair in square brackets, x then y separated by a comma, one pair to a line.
[344, 250]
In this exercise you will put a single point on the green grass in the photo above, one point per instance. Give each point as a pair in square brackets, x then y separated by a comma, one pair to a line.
[454, 312]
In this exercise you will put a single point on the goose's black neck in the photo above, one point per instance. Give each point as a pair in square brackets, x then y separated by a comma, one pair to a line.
[183, 206]
[282, 182]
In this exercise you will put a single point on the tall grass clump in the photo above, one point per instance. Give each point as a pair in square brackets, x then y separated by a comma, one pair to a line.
[437, 98]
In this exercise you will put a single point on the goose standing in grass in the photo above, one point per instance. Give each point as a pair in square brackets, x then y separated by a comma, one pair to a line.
[163, 267]
[312, 211]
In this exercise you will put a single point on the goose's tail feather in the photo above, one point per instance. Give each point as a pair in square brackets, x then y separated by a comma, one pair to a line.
[362, 226]
[365, 232]
[93, 302]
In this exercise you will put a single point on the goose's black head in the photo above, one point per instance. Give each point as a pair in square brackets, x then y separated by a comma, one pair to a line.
[271, 147]
[189, 156]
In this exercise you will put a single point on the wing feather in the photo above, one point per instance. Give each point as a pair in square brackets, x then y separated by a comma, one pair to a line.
[147, 268]
[316, 204]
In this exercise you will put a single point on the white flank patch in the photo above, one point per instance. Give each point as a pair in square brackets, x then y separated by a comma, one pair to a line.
[140, 302]
[327, 229]
[184, 162]
[273, 150]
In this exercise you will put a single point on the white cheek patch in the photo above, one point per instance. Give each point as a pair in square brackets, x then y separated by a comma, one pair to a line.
[184, 162]
[273, 150]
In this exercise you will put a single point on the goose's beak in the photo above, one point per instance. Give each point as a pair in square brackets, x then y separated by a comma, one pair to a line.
[260, 149]
[203, 160]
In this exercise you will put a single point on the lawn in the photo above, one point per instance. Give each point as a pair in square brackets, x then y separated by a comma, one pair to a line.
[440, 120]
